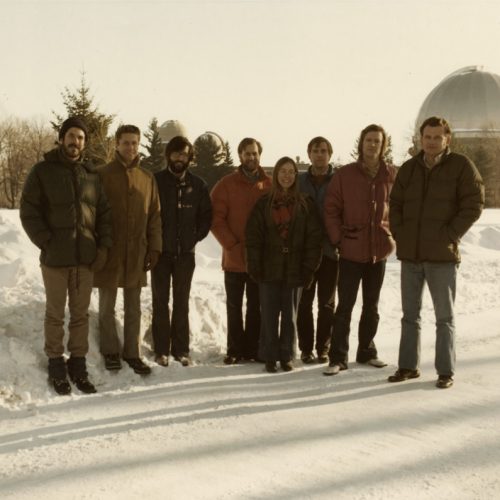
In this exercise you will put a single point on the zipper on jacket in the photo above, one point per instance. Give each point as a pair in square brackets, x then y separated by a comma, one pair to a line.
[78, 215]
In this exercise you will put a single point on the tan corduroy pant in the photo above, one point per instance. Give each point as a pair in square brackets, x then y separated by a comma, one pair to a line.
[74, 284]
[108, 335]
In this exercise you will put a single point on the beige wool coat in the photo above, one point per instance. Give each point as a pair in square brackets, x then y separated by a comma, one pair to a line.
[135, 208]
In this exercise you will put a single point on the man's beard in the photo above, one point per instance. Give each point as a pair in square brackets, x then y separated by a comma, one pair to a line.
[178, 167]
[72, 151]
[250, 166]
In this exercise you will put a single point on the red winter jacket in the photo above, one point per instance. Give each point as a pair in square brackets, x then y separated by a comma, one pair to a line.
[233, 198]
[357, 212]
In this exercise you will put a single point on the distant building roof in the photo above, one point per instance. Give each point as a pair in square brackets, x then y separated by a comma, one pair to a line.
[469, 99]
[170, 129]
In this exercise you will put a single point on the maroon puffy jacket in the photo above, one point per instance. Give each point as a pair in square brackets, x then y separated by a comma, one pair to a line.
[357, 212]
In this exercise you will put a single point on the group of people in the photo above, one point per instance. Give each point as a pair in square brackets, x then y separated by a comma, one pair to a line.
[285, 240]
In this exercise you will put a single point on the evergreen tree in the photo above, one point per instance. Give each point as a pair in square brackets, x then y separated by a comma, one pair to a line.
[80, 103]
[228, 161]
[155, 159]
[209, 158]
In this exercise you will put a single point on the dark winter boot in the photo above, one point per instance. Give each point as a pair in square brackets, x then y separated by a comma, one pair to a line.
[77, 370]
[58, 377]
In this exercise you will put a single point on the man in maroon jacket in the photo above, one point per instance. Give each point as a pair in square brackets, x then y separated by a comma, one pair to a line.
[357, 221]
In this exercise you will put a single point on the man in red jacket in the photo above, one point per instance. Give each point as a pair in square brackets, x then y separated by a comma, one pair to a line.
[233, 198]
[357, 221]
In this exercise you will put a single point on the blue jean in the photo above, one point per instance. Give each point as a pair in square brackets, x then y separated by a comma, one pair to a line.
[278, 305]
[441, 278]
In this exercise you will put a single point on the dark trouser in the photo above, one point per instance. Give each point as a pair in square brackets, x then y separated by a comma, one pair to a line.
[279, 305]
[371, 277]
[325, 279]
[242, 342]
[172, 332]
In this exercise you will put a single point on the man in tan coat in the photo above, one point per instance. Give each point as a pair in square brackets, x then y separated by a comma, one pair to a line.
[135, 208]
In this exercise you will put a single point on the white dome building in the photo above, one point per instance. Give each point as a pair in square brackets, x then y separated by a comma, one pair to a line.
[170, 129]
[469, 99]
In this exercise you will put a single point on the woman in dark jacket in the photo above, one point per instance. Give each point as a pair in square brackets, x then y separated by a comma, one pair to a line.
[283, 245]
[356, 219]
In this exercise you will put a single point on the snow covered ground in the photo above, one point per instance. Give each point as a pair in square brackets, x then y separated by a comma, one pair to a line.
[212, 431]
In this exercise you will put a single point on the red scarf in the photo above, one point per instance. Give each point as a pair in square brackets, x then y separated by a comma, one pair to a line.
[282, 213]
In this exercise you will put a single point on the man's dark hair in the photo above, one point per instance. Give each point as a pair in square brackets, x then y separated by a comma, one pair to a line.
[372, 128]
[179, 143]
[246, 142]
[435, 121]
[317, 141]
[126, 129]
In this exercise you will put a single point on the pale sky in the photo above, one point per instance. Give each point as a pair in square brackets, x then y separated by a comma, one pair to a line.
[282, 71]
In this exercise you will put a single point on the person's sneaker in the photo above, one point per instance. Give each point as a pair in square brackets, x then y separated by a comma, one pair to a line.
[84, 385]
[183, 360]
[60, 385]
[307, 358]
[322, 358]
[403, 374]
[112, 362]
[161, 359]
[138, 366]
[271, 367]
[286, 366]
[334, 369]
[376, 362]
[230, 360]
[444, 381]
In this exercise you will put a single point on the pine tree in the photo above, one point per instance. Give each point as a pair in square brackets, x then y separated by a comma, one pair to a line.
[80, 103]
[210, 157]
[155, 159]
[228, 161]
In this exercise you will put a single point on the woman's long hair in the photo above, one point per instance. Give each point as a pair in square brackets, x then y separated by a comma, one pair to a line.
[293, 192]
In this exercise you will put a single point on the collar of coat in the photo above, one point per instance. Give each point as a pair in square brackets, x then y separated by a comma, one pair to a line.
[57, 156]
[121, 161]
[328, 173]
[261, 175]
[444, 155]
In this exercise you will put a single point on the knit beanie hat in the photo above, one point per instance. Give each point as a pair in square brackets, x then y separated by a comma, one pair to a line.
[73, 121]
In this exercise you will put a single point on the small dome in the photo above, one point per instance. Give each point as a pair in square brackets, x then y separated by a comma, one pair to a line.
[469, 99]
[212, 136]
[214, 142]
[170, 129]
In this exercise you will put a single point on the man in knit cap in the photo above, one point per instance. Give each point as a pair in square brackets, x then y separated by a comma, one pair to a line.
[65, 213]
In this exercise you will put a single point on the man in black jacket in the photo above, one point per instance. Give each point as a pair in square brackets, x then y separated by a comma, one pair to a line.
[186, 213]
[436, 198]
[65, 213]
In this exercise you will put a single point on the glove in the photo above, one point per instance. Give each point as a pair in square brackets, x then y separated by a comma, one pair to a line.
[100, 260]
[151, 259]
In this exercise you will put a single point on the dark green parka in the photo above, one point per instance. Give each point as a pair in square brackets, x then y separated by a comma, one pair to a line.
[270, 258]
[64, 211]
[431, 209]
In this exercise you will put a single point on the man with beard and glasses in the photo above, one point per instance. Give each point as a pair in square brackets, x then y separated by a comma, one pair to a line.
[135, 207]
[186, 214]
[65, 213]
[233, 198]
